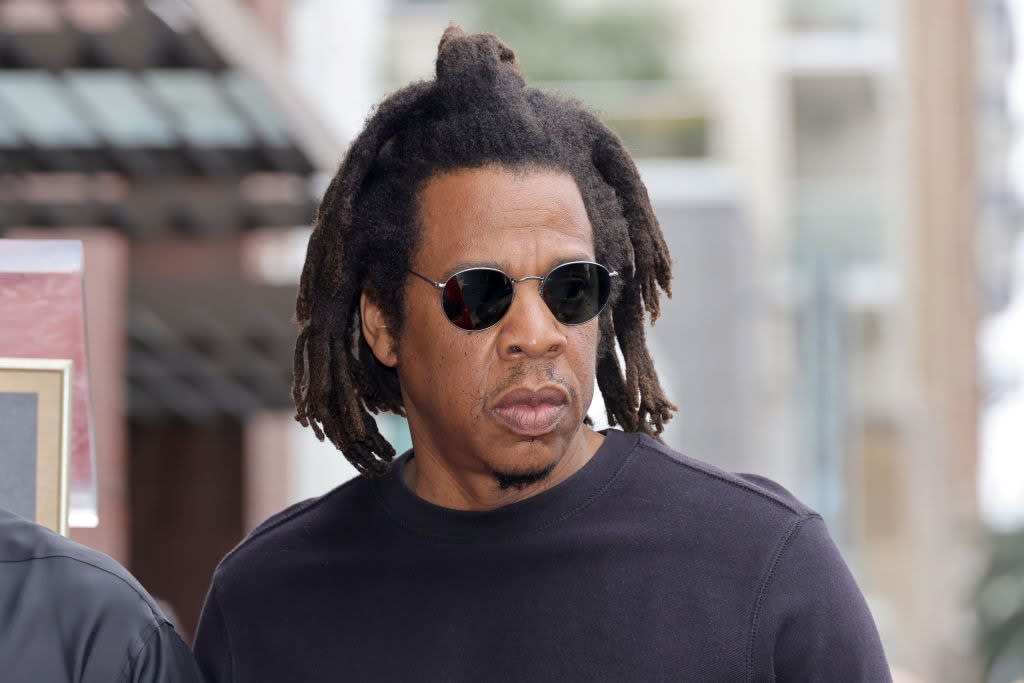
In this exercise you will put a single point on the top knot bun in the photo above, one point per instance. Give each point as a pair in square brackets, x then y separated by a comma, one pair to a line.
[471, 65]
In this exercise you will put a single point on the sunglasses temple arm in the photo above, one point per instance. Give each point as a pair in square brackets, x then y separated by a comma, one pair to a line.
[438, 285]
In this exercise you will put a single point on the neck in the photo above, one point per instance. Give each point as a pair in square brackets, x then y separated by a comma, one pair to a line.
[437, 480]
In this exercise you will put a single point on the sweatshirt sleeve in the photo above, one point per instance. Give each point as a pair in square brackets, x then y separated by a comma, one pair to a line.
[163, 658]
[811, 622]
[212, 646]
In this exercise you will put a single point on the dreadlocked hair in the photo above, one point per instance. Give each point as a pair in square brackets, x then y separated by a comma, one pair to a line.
[476, 112]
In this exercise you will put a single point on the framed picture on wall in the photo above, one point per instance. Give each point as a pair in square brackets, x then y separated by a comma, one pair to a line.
[35, 435]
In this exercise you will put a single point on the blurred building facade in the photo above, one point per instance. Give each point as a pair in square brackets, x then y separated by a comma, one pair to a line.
[873, 227]
[155, 134]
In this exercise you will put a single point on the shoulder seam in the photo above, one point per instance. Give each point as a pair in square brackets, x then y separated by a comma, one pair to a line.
[762, 593]
[300, 508]
[157, 616]
[129, 663]
[738, 483]
[227, 631]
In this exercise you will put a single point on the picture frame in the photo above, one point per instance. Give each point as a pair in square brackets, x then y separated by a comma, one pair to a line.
[35, 438]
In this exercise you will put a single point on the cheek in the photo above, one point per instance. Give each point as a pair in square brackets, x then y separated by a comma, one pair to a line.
[421, 358]
[584, 349]
[582, 361]
[449, 365]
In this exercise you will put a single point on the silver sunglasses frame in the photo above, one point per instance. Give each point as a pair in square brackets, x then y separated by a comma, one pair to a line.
[541, 278]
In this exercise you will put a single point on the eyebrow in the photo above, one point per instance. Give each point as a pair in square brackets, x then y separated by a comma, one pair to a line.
[503, 267]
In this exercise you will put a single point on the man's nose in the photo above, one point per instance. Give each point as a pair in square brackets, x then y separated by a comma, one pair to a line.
[529, 328]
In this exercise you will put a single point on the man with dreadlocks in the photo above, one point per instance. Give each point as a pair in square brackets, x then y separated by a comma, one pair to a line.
[479, 260]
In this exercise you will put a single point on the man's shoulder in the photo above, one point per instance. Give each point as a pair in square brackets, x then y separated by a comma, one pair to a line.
[296, 525]
[72, 608]
[725, 493]
[71, 569]
[57, 595]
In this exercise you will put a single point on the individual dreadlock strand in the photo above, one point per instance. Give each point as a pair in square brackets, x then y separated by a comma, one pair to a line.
[343, 403]
[654, 266]
[314, 258]
[656, 404]
[303, 309]
[371, 456]
[627, 319]
[649, 399]
[655, 408]
[354, 431]
[610, 381]
[298, 370]
[318, 388]
[381, 452]
[642, 389]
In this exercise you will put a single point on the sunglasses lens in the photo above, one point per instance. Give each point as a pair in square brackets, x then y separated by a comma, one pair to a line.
[477, 298]
[576, 292]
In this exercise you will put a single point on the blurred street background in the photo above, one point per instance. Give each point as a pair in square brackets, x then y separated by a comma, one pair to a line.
[840, 183]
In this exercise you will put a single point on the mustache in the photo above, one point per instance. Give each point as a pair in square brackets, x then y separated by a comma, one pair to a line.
[542, 370]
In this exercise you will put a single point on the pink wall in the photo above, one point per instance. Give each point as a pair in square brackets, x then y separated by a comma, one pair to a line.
[106, 272]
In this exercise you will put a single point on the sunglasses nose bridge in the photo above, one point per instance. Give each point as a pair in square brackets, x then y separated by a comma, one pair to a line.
[540, 283]
[539, 278]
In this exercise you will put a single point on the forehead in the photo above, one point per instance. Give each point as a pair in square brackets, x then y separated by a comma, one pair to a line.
[494, 215]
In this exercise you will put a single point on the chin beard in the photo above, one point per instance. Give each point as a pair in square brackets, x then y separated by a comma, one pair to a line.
[521, 480]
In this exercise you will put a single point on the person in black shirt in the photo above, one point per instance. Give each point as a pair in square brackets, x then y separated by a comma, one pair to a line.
[71, 614]
[479, 262]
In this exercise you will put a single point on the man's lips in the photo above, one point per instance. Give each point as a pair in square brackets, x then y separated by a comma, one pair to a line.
[531, 412]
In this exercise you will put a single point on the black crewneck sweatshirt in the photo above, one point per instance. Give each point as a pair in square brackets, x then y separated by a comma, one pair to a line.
[645, 565]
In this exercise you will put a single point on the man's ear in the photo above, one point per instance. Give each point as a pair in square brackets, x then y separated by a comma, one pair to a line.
[376, 331]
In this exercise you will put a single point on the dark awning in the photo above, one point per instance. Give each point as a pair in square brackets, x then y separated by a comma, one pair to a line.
[147, 94]
[209, 350]
[165, 120]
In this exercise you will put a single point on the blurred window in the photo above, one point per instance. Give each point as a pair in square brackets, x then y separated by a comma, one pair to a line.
[838, 192]
[38, 107]
[121, 109]
[8, 136]
[203, 116]
[833, 14]
[250, 96]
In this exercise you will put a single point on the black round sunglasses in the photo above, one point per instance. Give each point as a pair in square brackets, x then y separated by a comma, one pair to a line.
[477, 298]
